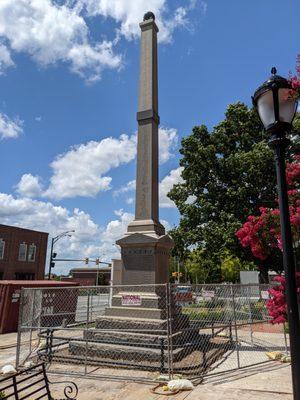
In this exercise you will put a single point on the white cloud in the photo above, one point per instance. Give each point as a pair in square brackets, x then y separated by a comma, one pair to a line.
[168, 139]
[79, 172]
[129, 187]
[129, 13]
[174, 177]
[5, 59]
[29, 186]
[88, 240]
[10, 129]
[114, 231]
[50, 32]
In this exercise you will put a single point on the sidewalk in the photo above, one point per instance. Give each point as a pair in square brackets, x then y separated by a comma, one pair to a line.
[269, 381]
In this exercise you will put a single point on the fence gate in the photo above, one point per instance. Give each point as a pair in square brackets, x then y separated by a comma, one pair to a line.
[140, 332]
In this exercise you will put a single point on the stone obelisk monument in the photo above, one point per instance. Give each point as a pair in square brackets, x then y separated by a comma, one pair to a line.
[145, 247]
[138, 314]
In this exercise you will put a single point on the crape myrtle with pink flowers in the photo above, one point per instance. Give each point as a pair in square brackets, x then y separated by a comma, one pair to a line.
[295, 80]
[262, 234]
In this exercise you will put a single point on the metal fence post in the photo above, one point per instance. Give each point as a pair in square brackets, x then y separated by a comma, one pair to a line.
[285, 339]
[162, 355]
[31, 319]
[250, 315]
[86, 332]
[20, 322]
[169, 329]
[235, 328]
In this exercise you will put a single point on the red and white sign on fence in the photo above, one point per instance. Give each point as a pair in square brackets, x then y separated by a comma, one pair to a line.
[131, 300]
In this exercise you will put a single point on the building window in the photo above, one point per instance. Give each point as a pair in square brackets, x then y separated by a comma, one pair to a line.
[22, 252]
[31, 252]
[2, 245]
[19, 276]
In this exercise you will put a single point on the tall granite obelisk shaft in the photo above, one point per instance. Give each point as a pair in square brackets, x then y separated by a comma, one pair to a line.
[146, 206]
[145, 247]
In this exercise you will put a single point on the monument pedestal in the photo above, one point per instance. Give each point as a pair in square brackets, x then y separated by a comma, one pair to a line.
[145, 258]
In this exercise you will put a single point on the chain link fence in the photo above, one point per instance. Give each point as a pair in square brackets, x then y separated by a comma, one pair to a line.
[140, 332]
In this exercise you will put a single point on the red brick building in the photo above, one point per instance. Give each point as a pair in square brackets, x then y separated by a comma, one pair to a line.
[89, 276]
[22, 253]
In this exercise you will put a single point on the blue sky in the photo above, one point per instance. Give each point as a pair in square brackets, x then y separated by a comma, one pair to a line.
[68, 78]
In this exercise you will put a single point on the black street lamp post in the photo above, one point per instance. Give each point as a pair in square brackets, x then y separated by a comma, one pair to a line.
[276, 107]
[52, 254]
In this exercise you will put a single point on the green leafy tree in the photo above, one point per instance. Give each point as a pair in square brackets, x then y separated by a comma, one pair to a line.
[228, 174]
[201, 269]
[231, 266]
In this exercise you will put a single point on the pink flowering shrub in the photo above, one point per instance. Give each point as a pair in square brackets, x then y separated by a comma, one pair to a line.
[295, 81]
[262, 233]
[277, 304]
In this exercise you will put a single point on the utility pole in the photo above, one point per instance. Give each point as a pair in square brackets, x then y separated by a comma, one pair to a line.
[52, 254]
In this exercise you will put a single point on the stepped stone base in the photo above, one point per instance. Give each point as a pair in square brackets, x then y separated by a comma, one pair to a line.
[150, 313]
[153, 338]
[129, 324]
[138, 332]
[123, 352]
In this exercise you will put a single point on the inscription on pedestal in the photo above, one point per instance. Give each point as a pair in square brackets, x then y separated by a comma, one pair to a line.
[138, 263]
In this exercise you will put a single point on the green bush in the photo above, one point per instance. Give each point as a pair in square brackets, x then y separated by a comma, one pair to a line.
[205, 315]
[211, 303]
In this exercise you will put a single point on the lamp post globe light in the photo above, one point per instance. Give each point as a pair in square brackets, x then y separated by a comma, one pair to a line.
[276, 106]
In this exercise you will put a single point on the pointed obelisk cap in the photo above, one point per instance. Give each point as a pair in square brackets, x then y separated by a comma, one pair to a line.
[148, 21]
[149, 15]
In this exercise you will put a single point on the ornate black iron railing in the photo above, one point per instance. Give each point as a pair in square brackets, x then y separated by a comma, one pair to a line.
[33, 383]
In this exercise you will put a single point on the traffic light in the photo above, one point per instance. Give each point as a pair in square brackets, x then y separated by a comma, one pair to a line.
[97, 261]
[86, 260]
[52, 264]
[177, 274]
[54, 255]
